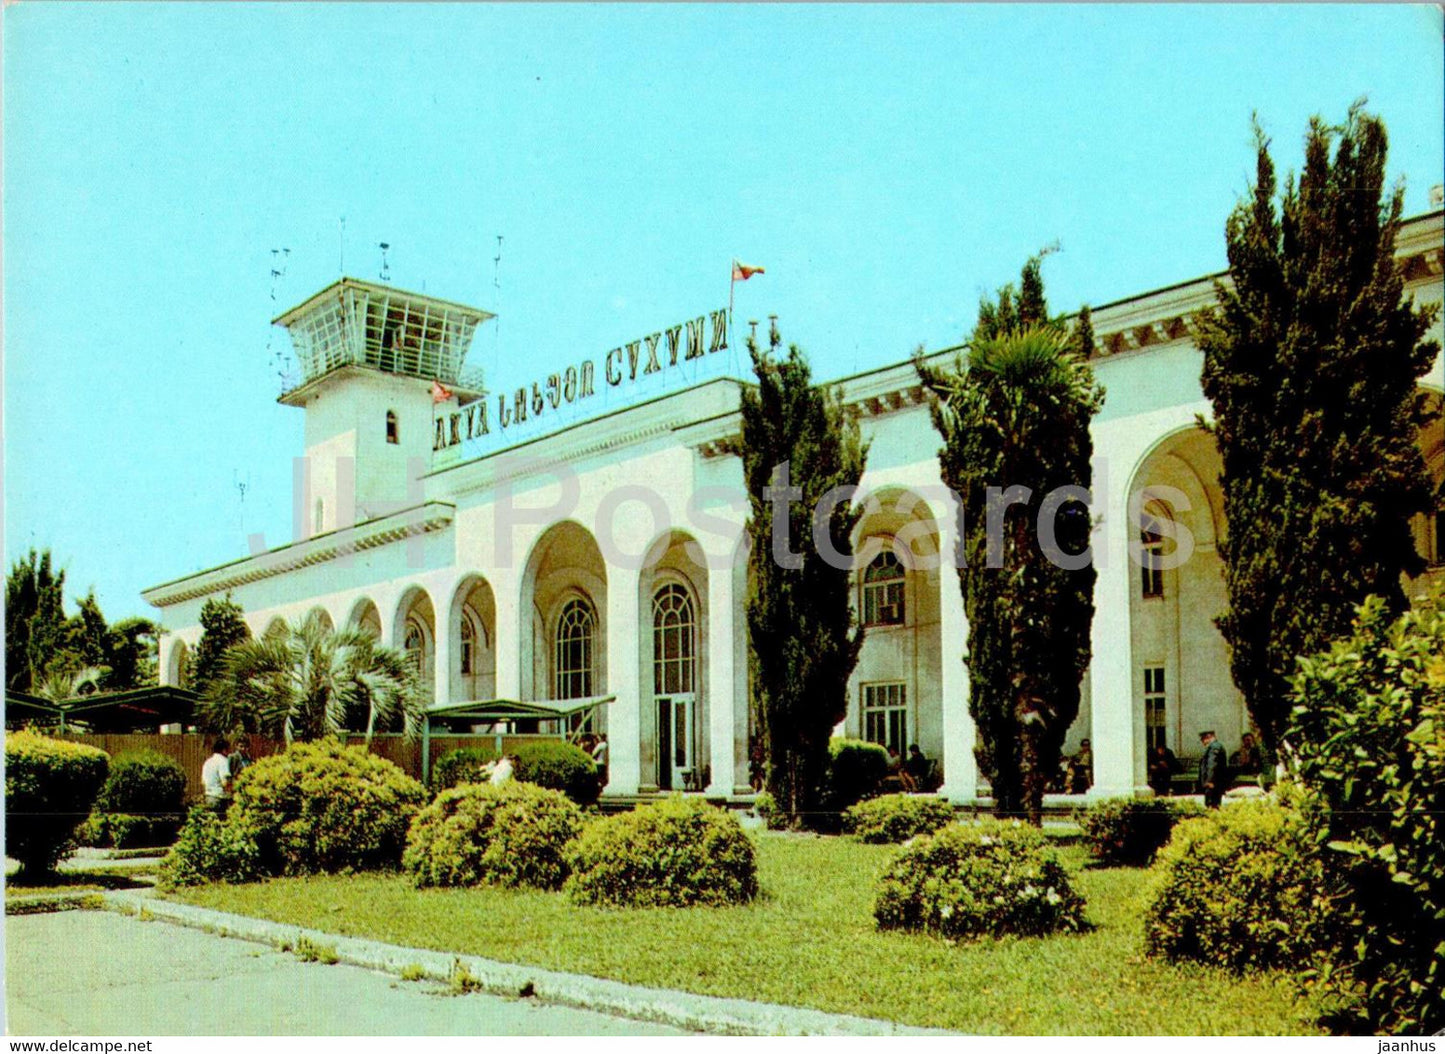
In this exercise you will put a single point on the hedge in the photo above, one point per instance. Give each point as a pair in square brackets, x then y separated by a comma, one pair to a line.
[50, 786]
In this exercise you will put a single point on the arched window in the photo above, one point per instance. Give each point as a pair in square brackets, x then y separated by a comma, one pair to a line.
[469, 644]
[674, 641]
[1151, 548]
[182, 666]
[576, 629]
[392, 435]
[883, 591]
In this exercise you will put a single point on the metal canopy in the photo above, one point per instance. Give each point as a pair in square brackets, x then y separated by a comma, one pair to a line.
[108, 711]
[515, 709]
[481, 710]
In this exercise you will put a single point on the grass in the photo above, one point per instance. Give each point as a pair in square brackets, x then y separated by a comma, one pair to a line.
[810, 941]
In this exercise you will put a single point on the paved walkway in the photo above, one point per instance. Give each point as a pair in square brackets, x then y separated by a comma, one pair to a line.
[101, 974]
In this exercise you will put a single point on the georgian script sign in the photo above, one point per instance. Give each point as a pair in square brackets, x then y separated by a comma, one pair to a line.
[694, 339]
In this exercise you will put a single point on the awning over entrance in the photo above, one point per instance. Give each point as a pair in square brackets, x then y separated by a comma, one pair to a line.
[479, 710]
[496, 711]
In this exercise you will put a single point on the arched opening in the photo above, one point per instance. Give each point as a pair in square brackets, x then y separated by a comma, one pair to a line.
[322, 618]
[895, 693]
[1179, 660]
[365, 616]
[415, 629]
[473, 627]
[565, 568]
[179, 673]
[393, 433]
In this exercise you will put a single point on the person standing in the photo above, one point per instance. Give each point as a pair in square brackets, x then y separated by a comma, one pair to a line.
[1212, 766]
[216, 777]
[599, 758]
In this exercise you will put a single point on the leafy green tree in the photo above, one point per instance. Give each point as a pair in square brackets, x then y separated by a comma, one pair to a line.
[134, 647]
[35, 624]
[1015, 412]
[88, 636]
[222, 628]
[803, 632]
[309, 682]
[1311, 361]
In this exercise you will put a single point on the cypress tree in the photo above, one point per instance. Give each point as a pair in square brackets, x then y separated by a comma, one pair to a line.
[222, 627]
[803, 632]
[1015, 412]
[1311, 361]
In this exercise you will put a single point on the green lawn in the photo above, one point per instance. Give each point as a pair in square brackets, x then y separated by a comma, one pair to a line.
[810, 941]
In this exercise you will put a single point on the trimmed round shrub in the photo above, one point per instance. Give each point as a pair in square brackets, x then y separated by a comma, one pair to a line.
[1239, 888]
[896, 817]
[511, 835]
[50, 786]
[1128, 832]
[561, 766]
[856, 770]
[324, 807]
[210, 850]
[463, 765]
[988, 879]
[676, 853]
[144, 783]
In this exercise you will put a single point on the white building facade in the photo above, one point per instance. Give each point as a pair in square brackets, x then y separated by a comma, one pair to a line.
[605, 557]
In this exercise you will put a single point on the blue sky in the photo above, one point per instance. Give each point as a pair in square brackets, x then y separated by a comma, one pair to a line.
[886, 164]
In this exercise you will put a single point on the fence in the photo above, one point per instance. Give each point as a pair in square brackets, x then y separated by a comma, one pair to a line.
[191, 749]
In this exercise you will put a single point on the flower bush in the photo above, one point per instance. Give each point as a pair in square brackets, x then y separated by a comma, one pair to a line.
[463, 765]
[988, 879]
[50, 786]
[1369, 736]
[564, 767]
[512, 835]
[676, 853]
[896, 817]
[210, 850]
[1241, 888]
[326, 807]
[1129, 832]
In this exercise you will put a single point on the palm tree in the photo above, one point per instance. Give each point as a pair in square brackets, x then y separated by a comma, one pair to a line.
[309, 682]
[1016, 412]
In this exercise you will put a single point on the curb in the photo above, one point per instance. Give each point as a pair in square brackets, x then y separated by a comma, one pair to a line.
[698, 1013]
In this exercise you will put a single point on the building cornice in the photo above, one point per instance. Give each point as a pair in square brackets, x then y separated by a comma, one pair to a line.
[419, 519]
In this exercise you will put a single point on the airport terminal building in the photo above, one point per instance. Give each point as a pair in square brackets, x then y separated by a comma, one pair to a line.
[580, 538]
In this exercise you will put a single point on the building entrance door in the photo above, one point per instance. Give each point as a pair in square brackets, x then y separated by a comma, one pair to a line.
[676, 734]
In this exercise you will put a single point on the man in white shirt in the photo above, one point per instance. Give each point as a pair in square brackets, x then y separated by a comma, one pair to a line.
[502, 770]
[216, 778]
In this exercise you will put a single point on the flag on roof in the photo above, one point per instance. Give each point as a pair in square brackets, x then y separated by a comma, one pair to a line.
[440, 393]
[742, 272]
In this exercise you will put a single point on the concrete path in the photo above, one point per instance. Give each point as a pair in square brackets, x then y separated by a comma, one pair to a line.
[97, 973]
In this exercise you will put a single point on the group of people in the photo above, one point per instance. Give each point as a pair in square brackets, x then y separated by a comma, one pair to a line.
[220, 771]
[913, 775]
[596, 746]
[1216, 768]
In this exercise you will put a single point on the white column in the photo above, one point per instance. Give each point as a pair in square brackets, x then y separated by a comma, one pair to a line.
[442, 661]
[960, 768]
[507, 633]
[623, 715]
[1111, 687]
[719, 694]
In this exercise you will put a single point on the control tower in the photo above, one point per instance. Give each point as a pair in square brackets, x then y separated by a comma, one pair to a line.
[372, 362]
